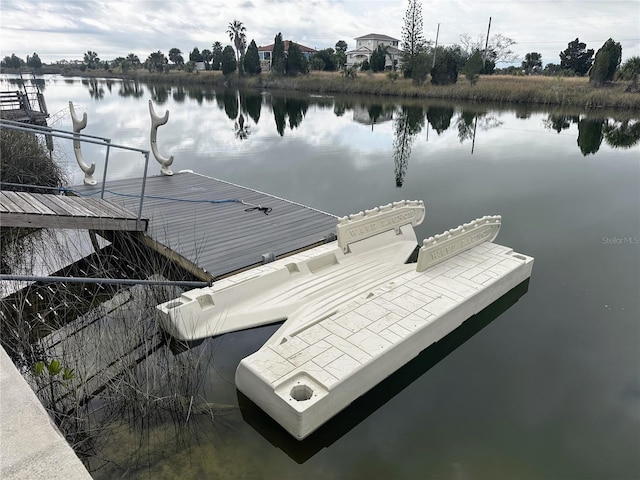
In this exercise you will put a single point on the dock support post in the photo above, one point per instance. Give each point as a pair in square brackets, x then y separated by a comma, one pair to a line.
[157, 121]
[78, 125]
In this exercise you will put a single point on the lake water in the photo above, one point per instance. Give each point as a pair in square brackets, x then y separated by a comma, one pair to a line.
[550, 389]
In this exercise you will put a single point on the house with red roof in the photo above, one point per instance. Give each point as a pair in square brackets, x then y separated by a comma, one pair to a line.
[265, 53]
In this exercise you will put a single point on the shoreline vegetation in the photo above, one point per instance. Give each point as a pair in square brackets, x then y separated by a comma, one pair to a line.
[504, 89]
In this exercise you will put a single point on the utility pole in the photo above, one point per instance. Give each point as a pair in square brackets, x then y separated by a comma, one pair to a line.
[435, 49]
[486, 44]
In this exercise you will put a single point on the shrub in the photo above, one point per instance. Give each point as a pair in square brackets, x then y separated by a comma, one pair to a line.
[296, 61]
[629, 69]
[445, 71]
[473, 67]
[25, 159]
[420, 68]
[606, 62]
[252, 60]
[229, 62]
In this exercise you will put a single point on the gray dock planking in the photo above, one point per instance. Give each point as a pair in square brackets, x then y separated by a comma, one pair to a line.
[41, 210]
[212, 240]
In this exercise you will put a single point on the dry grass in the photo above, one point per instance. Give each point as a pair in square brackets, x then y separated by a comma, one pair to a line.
[497, 88]
[507, 89]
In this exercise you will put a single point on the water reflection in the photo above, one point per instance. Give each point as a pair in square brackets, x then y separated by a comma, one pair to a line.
[524, 111]
[407, 124]
[241, 130]
[406, 120]
[440, 118]
[35, 82]
[340, 107]
[589, 135]
[95, 88]
[179, 94]
[290, 110]
[467, 125]
[131, 88]
[593, 130]
[560, 122]
[251, 105]
[228, 101]
[622, 134]
[159, 93]
[372, 114]
[239, 106]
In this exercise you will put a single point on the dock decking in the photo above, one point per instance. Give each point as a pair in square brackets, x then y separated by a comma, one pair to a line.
[41, 210]
[213, 240]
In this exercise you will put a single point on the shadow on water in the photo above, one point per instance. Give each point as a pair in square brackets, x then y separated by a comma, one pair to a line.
[360, 409]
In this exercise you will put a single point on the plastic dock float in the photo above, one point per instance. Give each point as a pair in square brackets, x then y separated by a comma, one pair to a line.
[354, 311]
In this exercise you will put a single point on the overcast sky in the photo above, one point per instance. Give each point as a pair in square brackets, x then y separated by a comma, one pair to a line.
[67, 29]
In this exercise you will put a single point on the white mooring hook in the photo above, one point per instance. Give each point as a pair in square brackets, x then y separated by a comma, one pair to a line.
[78, 125]
[157, 121]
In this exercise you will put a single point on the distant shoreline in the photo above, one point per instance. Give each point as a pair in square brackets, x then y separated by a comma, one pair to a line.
[503, 89]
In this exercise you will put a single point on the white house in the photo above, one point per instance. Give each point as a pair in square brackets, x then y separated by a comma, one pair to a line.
[367, 44]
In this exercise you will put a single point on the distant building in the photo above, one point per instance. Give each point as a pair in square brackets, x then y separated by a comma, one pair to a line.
[265, 53]
[367, 44]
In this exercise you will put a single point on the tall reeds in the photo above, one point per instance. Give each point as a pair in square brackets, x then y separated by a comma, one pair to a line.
[94, 353]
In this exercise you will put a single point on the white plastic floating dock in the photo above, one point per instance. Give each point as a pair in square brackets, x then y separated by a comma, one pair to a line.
[354, 310]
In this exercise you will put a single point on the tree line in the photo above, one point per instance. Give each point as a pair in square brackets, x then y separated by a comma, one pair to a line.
[421, 58]
[242, 58]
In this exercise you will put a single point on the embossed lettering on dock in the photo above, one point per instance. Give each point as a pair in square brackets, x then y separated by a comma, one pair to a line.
[381, 223]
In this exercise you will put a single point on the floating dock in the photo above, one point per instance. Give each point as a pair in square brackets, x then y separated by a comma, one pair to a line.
[354, 310]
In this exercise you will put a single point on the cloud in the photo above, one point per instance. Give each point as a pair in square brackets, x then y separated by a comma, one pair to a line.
[57, 30]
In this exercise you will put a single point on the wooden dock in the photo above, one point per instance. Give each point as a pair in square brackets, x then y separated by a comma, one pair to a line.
[24, 107]
[212, 240]
[40, 210]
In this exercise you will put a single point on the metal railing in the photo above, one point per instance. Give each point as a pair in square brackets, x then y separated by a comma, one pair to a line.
[33, 94]
[102, 141]
[29, 99]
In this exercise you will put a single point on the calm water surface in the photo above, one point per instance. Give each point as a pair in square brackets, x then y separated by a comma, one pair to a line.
[550, 389]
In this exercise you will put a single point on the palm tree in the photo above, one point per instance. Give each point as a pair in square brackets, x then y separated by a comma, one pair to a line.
[216, 52]
[175, 55]
[133, 60]
[207, 56]
[91, 59]
[237, 34]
